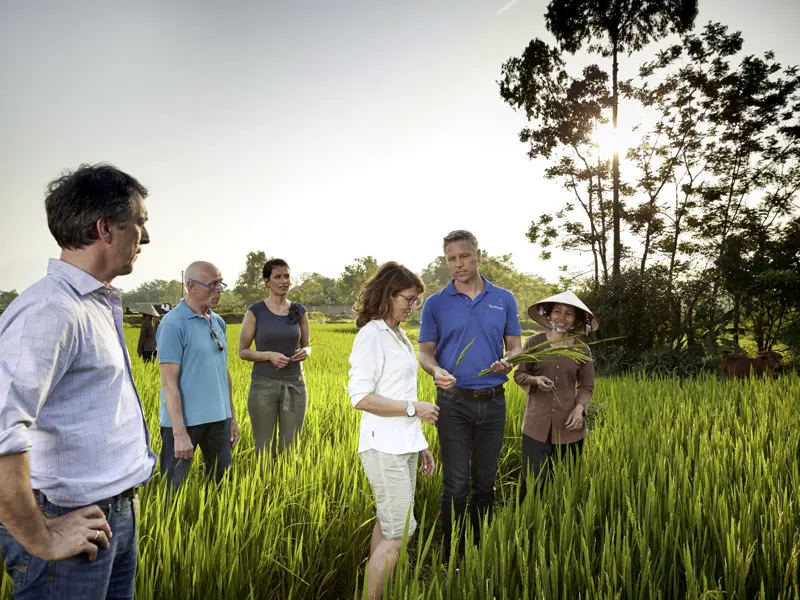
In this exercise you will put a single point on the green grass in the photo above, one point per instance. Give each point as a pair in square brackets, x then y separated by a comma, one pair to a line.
[683, 491]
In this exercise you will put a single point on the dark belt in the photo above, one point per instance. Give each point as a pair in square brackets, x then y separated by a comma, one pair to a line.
[130, 493]
[476, 395]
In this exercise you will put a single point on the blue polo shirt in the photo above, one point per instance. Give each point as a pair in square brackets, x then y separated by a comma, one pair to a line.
[452, 320]
[184, 338]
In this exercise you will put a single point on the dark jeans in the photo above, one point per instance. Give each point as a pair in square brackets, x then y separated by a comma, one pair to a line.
[110, 576]
[470, 439]
[538, 458]
[148, 355]
[214, 440]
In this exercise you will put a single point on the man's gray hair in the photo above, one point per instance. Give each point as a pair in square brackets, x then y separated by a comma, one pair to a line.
[461, 235]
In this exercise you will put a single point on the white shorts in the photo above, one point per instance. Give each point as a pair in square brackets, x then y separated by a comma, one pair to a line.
[393, 479]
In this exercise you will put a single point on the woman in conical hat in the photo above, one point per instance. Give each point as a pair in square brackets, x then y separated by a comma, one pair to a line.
[147, 335]
[559, 388]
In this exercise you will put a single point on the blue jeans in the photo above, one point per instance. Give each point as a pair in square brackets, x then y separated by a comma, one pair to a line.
[110, 576]
[470, 440]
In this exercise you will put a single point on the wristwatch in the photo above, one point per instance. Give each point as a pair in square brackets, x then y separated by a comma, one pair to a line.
[411, 410]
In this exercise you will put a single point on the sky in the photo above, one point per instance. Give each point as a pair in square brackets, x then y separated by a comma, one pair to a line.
[318, 131]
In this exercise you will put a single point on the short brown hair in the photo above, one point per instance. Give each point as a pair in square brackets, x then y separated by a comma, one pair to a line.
[375, 297]
[460, 235]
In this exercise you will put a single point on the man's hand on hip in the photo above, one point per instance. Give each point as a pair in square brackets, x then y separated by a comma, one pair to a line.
[82, 530]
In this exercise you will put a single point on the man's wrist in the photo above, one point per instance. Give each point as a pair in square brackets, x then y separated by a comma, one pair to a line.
[40, 546]
[41, 541]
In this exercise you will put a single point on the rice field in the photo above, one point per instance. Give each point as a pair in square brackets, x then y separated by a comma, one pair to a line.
[683, 491]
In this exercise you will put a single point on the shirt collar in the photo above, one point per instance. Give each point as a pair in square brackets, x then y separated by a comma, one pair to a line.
[451, 287]
[188, 313]
[383, 326]
[81, 281]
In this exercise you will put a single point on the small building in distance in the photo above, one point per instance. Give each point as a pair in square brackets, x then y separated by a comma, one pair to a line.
[162, 308]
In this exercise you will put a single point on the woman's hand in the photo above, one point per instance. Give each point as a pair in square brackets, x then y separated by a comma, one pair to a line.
[543, 383]
[426, 462]
[427, 411]
[575, 419]
[278, 359]
[301, 354]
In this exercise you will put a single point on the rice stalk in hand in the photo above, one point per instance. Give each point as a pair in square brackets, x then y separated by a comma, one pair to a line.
[538, 352]
[463, 353]
[543, 349]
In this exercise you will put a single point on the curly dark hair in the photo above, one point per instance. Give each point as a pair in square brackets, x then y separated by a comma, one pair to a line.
[77, 200]
[375, 297]
[294, 313]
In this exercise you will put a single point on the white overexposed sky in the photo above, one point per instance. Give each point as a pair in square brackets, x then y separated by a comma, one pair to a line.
[314, 130]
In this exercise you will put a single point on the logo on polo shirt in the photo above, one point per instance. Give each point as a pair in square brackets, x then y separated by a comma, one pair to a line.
[496, 307]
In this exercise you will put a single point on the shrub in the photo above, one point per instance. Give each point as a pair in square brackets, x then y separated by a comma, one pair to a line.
[316, 317]
[232, 318]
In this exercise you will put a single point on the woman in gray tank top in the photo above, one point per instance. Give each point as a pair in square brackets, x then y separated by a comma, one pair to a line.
[277, 400]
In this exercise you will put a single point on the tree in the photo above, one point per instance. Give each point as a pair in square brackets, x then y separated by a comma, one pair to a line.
[314, 290]
[759, 270]
[155, 291]
[250, 284]
[231, 302]
[564, 112]
[173, 292]
[7, 298]
[436, 275]
[732, 138]
[625, 26]
[353, 277]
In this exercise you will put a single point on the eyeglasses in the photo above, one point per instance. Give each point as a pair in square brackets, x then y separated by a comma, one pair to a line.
[412, 300]
[220, 287]
[216, 339]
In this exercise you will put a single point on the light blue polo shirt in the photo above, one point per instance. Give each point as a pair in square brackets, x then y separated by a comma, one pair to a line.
[184, 338]
[452, 320]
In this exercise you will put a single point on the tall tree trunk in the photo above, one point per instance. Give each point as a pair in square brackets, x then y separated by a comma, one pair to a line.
[603, 219]
[646, 250]
[674, 250]
[594, 237]
[616, 209]
[737, 319]
[677, 334]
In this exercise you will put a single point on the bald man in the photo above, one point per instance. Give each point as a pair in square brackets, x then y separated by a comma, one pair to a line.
[196, 389]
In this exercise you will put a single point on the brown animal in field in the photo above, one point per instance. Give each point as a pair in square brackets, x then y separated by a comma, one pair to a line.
[741, 365]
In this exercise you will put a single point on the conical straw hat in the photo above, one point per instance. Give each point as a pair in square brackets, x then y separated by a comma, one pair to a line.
[562, 298]
[150, 310]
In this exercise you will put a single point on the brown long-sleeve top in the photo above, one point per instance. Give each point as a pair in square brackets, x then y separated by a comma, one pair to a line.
[574, 384]
[147, 335]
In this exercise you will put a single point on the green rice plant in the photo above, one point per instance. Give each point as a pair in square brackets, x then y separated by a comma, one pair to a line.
[684, 490]
[463, 354]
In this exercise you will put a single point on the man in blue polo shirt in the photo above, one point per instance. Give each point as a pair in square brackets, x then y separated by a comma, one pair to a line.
[196, 387]
[472, 409]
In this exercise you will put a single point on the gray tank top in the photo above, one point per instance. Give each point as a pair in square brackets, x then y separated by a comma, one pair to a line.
[278, 333]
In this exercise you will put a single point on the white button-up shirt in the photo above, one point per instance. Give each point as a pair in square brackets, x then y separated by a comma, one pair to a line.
[67, 395]
[384, 364]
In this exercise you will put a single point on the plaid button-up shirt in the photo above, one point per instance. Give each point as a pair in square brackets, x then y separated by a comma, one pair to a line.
[67, 395]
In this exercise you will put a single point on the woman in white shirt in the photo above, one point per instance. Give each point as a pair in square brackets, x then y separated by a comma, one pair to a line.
[383, 385]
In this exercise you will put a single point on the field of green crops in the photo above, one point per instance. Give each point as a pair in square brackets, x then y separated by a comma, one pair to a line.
[684, 491]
